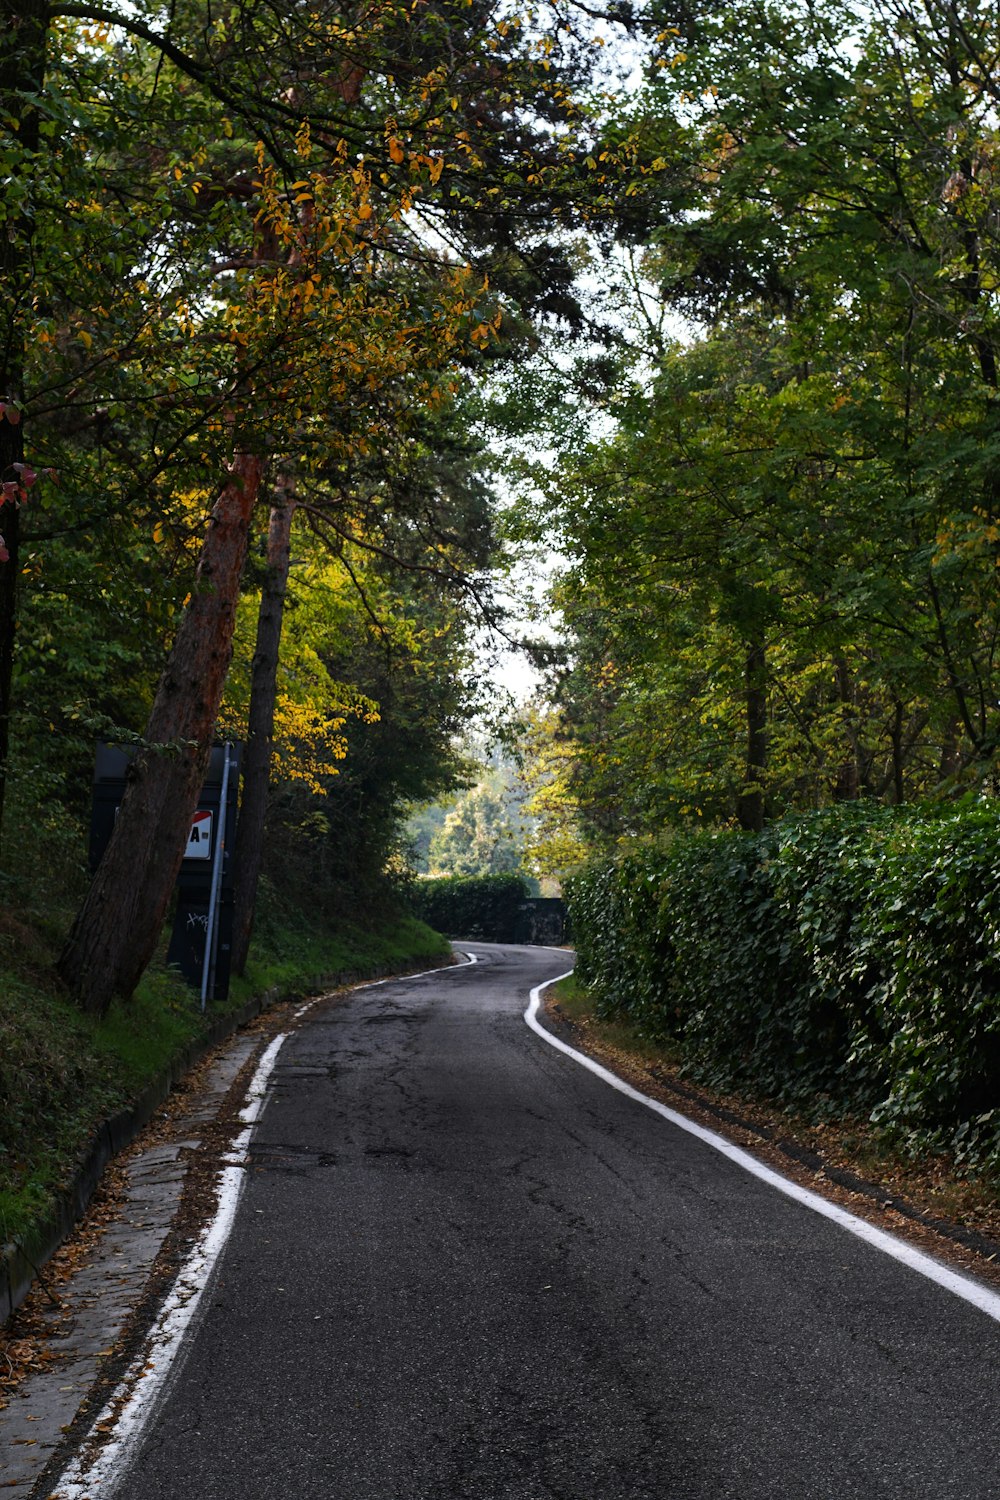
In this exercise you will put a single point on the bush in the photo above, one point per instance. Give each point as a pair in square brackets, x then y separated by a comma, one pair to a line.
[849, 959]
[938, 924]
[480, 907]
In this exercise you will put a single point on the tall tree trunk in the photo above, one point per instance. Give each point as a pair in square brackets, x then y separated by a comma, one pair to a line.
[847, 784]
[23, 30]
[750, 807]
[115, 932]
[898, 754]
[249, 846]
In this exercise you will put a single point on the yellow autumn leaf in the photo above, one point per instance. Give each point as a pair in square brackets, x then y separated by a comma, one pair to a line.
[396, 152]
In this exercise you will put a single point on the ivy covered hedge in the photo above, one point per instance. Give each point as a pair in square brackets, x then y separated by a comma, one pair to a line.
[482, 907]
[846, 960]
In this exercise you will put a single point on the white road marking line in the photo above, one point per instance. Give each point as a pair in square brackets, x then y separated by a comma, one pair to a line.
[952, 1281]
[100, 1463]
[257, 1090]
[373, 984]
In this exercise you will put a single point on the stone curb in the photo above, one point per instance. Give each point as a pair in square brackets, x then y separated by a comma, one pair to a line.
[21, 1263]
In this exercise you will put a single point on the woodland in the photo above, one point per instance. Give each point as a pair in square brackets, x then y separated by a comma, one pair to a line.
[295, 296]
[782, 540]
[257, 262]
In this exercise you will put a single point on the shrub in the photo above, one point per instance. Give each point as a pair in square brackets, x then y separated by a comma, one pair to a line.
[479, 907]
[847, 959]
[938, 921]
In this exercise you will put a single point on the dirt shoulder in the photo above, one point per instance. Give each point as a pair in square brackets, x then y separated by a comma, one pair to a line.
[931, 1202]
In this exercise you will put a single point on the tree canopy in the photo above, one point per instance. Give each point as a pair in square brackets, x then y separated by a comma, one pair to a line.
[254, 257]
[782, 537]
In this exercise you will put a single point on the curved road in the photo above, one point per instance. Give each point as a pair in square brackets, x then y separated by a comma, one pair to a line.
[464, 1268]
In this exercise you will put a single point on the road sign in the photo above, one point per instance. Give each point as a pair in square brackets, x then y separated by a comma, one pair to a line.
[199, 844]
[205, 881]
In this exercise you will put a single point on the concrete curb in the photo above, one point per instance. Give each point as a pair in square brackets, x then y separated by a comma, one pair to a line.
[21, 1263]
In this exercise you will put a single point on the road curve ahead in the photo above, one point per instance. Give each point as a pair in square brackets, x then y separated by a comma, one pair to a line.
[464, 1268]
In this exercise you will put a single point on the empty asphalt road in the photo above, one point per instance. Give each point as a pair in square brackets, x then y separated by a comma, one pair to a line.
[464, 1268]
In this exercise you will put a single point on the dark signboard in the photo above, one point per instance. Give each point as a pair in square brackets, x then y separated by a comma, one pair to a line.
[200, 868]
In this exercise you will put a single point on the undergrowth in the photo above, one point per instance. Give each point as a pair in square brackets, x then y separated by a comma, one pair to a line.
[62, 1072]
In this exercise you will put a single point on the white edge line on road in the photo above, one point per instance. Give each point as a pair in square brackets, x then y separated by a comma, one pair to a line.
[98, 1466]
[961, 1286]
[100, 1463]
[373, 984]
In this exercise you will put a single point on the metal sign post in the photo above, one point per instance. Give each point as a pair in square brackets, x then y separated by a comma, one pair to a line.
[211, 932]
[201, 940]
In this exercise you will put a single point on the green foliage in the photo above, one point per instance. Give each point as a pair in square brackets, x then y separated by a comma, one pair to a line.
[623, 950]
[484, 833]
[483, 907]
[781, 529]
[937, 923]
[847, 960]
[62, 1073]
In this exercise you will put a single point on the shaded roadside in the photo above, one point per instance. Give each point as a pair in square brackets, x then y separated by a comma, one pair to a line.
[930, 1202]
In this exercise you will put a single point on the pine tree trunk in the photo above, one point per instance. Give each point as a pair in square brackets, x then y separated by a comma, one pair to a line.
[23, 29]
[115, 933]
[249, 846]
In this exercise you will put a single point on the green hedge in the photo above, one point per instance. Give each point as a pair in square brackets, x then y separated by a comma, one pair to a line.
[482, 907]
[841, 961]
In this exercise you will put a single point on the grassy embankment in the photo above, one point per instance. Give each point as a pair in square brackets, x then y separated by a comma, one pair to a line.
[62, 1073]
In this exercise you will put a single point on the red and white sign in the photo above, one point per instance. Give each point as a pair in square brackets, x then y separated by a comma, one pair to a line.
[199, 845]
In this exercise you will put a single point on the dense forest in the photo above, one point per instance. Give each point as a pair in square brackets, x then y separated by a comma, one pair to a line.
[778, 489]
[708, 294]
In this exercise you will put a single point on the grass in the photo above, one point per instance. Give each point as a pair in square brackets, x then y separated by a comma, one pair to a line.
[62, 1073]
[294, 956]
[577, 1005]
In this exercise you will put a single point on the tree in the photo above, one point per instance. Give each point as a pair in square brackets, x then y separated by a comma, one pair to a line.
[22, 65]
[248, 851]
[483, 834]
[554, 847]
[429, 483]
[782, 585]
[262, 247]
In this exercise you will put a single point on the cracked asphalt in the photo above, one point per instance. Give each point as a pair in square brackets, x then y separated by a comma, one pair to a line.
[463, 1268]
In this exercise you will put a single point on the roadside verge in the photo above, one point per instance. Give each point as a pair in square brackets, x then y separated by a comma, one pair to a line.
[839, 1161]
[23, 1258]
